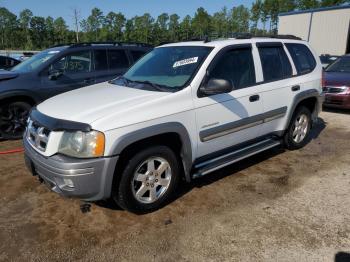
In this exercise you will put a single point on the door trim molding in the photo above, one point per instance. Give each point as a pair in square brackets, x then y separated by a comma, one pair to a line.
[248, 122]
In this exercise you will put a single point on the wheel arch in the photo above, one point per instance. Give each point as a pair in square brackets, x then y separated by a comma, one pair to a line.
[18, 95]
[311, 99]
[171, 134]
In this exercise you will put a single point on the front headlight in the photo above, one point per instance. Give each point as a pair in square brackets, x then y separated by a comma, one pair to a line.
[82, 144]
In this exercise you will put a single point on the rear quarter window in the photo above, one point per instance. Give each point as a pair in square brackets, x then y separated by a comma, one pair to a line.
[303, 59]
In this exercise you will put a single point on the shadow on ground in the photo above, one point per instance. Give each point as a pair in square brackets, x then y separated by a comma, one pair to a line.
[231, 170]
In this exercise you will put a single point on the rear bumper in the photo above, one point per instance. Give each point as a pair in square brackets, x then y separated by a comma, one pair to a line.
[86, 179]
[337, 101]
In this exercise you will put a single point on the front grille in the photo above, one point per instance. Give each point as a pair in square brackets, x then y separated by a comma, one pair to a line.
[37, 135]
[334, 90]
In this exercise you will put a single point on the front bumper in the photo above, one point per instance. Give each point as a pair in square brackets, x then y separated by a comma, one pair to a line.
[86, 179]
[337, 101]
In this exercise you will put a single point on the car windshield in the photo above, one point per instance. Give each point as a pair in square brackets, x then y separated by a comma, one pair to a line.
[165, 68]
[340, 65]
[35, 61]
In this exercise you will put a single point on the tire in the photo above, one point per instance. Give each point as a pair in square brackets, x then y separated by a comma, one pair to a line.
[298, 132]
[154, 185]
[13, 119]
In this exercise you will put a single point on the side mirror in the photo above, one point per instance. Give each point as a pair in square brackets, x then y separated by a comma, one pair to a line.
[216, 86]
[55, 74]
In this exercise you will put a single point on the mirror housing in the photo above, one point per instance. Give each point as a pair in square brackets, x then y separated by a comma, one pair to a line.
[216, 86]
[55, 74]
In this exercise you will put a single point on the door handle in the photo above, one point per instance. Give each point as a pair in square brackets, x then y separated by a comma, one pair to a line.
[254, 98]
[295, 88]
[88, 80]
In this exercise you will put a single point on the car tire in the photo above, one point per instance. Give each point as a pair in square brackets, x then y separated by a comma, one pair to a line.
[13, 119]
[148, 180]
[298, 132]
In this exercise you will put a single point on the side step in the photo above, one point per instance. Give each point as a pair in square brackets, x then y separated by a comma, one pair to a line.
[211, 165]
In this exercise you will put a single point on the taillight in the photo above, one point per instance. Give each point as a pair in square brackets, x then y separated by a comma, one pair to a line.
[323, 80]
[347, 91]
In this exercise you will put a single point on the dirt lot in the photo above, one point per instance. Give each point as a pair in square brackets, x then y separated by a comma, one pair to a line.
[277, 206]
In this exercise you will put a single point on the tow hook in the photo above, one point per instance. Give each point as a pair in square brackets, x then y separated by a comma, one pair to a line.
[85, 207]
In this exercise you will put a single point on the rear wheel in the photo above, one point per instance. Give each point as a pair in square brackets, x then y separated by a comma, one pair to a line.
[148, 180]
[13, 118]
[299, 129]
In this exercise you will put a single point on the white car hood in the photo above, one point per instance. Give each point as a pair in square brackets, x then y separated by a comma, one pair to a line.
[95, 102]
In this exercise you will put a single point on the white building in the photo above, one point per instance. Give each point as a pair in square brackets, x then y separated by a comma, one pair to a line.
[327, 29]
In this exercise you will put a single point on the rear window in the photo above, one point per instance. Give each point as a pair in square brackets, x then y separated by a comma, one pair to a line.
[275, 63]
[100, 59]
[302, 57]
[117, 59]
[136, 55]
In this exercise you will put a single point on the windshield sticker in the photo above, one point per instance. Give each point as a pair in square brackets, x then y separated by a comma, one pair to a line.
[187, 61]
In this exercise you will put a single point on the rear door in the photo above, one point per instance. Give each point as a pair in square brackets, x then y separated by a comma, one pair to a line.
[101, 70]
[118, 62]
[76, 68]
[227, 119]
[278, 86]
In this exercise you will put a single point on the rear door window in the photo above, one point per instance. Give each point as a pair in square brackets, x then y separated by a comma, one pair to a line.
[275, 63]
[136, 55]
[100, 60]
[302, 57]
[237, 67]
[117, 59]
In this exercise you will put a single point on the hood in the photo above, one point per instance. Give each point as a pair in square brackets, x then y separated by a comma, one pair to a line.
[94, 102]
[337, 79]
[5, 75]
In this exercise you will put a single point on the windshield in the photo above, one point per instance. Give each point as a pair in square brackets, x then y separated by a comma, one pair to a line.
[35, 61]
[165, 68]
[341, 65]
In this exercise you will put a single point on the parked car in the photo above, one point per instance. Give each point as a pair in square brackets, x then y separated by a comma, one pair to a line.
[337, 84]
[326, 60]
[7, 62]
[57, 70]
[181, 112]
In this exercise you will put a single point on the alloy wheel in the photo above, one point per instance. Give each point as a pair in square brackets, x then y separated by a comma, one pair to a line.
[151, 180]
[301, 127]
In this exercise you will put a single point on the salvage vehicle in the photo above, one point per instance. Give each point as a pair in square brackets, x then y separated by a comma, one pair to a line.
[337, 84]
[56, 70]
[181, 112]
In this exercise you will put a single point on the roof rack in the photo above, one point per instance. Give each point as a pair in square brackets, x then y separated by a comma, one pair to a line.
[249, 36]
[104, 43]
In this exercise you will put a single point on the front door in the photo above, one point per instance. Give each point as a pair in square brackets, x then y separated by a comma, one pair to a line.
[228, 119]
[75, 72]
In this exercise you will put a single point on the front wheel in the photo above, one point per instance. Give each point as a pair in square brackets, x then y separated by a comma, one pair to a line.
[299, 129]
[148, 180]
[13, 118]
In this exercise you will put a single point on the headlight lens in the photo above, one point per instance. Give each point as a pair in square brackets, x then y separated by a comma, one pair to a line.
[82, 144]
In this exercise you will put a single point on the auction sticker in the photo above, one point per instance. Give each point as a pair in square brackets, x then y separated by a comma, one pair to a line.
[187, 61]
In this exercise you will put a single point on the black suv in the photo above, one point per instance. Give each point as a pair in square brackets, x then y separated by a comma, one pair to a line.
[56, 70]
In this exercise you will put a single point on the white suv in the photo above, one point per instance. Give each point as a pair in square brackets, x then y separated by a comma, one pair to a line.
[183, 111]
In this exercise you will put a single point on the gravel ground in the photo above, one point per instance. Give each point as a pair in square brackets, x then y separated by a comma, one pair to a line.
[276, 206]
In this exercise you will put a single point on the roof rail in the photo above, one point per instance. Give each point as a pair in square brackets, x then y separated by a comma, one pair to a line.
[71, 45]
[249, 36]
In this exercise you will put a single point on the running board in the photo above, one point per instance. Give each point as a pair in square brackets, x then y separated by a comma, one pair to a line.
[216, 163]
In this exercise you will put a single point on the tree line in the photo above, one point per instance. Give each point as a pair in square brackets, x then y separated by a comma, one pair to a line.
[27, 31]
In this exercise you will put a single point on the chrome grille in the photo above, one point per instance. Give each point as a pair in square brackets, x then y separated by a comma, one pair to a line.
[37, 135]
[334, 90]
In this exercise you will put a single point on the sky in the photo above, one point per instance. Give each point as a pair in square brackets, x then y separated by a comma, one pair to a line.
[129, 8]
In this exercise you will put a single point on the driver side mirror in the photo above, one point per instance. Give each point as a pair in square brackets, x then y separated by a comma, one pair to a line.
[55, 74]
[216, 86]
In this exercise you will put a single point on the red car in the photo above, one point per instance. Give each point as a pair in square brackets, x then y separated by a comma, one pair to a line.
[337, 83]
